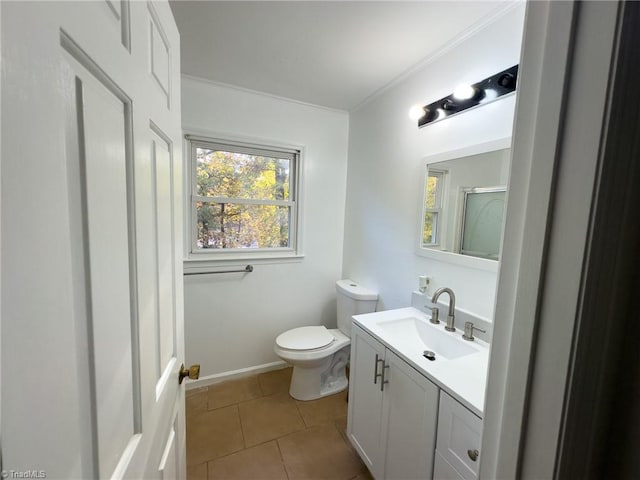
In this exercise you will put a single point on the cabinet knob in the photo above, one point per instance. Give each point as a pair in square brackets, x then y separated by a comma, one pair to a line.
[473, 454]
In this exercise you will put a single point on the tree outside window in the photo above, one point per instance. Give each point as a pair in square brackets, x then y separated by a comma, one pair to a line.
[243, 197]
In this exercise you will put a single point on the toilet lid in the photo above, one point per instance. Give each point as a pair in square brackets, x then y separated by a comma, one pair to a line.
[305, 338]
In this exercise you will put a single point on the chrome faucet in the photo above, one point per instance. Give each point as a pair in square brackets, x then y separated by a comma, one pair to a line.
[451, 318]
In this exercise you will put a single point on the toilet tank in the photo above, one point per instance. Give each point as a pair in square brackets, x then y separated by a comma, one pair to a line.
[353, 299]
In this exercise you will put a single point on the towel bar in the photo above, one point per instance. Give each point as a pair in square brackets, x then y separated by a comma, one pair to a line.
[247, 269]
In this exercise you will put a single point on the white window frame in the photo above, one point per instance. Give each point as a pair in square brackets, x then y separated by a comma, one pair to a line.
[439, 199]
[195, 258]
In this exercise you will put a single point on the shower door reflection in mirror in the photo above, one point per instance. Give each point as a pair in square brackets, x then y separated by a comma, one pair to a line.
[463, 204]
[482, 213]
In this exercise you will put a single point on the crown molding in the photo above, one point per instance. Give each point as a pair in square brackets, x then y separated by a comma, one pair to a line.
[262, 94]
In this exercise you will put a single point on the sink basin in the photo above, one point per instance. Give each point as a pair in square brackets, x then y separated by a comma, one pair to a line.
[417, 333]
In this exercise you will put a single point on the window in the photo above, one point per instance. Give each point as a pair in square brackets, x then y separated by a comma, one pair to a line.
[432, 208]
[243, 198]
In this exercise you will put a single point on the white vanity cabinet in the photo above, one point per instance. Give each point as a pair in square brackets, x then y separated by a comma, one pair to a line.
[393, 412]
[458, 445]
[365, 398]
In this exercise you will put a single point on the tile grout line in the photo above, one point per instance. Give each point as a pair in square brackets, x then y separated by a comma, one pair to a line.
[244, 441]
[304, 422]
[206, 392]
[260, 385]
[284, 464]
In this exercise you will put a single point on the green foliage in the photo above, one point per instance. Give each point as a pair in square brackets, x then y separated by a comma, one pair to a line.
[229, 176]
[431, 192]
[428, 233]
[430, 217]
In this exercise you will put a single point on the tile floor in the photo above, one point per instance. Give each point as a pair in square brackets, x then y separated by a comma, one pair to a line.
[251, 428]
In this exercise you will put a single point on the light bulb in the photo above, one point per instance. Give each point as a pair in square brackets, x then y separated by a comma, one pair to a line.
[464, 92]
[416, 112]
[489, 94]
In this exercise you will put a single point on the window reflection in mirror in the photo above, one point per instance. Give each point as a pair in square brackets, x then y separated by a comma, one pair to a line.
[432, 208]
[463, 205]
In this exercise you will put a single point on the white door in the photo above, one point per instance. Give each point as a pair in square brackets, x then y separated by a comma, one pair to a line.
[92, 310]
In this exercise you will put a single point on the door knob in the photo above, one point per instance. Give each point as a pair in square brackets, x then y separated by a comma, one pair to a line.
[193, 372]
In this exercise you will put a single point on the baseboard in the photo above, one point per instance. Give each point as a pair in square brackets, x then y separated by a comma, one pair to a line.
[233, 374]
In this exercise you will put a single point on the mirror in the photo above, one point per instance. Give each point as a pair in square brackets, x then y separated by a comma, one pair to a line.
[463, 203]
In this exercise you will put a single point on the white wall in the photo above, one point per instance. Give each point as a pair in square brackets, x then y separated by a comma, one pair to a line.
[386, 169]
[231, 321]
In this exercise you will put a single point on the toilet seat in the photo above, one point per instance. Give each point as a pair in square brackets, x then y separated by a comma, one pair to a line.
[305, 338]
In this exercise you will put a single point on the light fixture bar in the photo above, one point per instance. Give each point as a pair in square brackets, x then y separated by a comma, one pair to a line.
[480, 93]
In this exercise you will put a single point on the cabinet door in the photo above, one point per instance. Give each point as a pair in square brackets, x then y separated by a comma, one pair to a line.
[365, 399]
[410, 416]
[459, 435]
[443, 471]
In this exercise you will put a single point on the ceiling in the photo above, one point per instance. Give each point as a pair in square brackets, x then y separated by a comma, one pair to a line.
[335, 54]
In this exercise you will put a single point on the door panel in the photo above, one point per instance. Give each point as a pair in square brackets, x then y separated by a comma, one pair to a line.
[164, 235]
[159, 55]
[120, 20]
[442, 470]
[116, 8]
[102, 125]
[168, 467]
[92, 217]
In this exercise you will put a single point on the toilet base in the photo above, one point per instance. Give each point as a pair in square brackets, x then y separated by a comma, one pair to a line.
[325, 379]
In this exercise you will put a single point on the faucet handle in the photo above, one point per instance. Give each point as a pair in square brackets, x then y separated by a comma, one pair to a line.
[468, 331]
[435, 313]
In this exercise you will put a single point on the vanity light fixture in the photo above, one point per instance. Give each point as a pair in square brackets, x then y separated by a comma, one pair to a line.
[465, 97]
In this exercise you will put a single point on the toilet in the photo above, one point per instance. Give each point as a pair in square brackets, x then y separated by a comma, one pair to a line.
[318, 354]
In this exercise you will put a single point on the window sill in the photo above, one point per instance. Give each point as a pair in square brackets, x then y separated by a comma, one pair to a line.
[209, 264]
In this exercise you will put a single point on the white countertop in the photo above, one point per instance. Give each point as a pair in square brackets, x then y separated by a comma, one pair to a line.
[463, 378]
